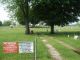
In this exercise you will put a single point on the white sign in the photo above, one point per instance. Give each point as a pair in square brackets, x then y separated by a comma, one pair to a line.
[26, 47]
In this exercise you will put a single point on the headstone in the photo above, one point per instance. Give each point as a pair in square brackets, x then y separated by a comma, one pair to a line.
[31, 32]
[68, 35]
[76, 37]
[11, 26]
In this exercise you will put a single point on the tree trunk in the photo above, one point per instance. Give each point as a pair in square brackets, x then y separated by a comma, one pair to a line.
[27, 31]
[52, 29]
[26, 9]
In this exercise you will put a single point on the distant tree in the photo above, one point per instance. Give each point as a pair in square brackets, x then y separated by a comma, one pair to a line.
[6, 23]
[0, 23]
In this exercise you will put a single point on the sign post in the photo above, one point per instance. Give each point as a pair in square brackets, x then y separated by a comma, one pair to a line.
[35, 49]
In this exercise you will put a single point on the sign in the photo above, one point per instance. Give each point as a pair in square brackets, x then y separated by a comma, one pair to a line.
[26, 47]
[10, 47]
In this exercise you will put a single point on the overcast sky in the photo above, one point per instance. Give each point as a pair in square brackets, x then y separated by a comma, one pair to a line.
[3, 14]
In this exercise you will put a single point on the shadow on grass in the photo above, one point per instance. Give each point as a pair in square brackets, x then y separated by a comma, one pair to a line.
[77, 51]
[57, 33]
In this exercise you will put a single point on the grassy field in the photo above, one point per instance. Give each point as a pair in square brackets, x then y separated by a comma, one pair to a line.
[17, 35]
[62, 35]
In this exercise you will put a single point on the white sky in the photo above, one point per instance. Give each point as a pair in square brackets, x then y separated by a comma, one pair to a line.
[3, 14]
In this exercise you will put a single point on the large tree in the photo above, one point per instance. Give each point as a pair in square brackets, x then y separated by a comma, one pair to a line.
[53, 12]
[57, 12]
[19, 9]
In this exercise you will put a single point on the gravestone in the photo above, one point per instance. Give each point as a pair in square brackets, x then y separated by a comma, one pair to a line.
[76, 37]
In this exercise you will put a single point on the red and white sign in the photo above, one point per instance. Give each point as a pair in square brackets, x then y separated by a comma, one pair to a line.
[10, 47]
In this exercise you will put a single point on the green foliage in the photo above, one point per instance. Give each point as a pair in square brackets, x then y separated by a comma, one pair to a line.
[53, 12]
[20, 10]
[15, 8]
[6, 23]
[58, 12]
[0, 23]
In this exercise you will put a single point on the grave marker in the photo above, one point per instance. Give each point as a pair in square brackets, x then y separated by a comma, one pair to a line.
[76, 37]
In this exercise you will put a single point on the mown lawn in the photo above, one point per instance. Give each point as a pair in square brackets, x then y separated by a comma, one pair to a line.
[8, 34]
[17, 35]
[66, 53]
[62, 35]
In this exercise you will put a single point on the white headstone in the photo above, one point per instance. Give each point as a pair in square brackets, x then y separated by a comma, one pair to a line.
[68, 35]
[76, 37]
[11, 26]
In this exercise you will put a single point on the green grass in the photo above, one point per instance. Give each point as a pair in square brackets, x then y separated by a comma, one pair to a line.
[66, 54]
[16, 35]
[62, 35]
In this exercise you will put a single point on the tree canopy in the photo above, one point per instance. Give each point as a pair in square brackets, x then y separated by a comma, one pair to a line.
[20, 10]
[57, 12]
[53, 12]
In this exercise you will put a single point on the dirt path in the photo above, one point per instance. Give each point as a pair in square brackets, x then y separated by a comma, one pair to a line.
[77, 50]
[65, 45]
[54, 53]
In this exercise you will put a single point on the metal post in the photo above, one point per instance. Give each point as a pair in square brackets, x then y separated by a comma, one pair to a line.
[35, 50]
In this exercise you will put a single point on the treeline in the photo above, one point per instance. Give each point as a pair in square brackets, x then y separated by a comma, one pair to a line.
[5, 23]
